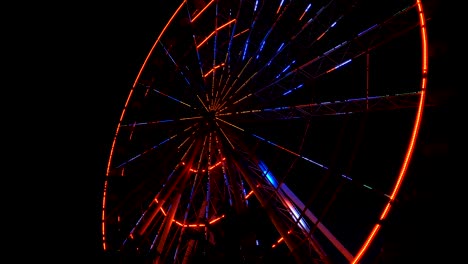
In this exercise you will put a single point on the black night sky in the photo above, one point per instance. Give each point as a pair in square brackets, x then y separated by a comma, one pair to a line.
[95, 61]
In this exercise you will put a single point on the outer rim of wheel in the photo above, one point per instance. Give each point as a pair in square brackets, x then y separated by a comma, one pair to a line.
[411, 145]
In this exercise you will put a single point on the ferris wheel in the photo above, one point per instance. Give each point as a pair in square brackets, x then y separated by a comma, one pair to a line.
[258, 130]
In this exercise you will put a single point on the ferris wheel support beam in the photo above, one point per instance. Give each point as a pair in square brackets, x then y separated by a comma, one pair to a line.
[292, 197]
[168, 223]
[280, 226]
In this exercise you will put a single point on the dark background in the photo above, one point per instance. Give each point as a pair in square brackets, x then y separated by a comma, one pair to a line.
[77, 64]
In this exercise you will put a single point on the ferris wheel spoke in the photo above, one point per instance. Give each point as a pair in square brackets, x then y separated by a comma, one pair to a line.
[330, 108]
[297, 154]
[153, 148]
[344, 52]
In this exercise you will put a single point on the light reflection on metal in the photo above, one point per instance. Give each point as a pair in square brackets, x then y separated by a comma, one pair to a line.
[295, 207]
